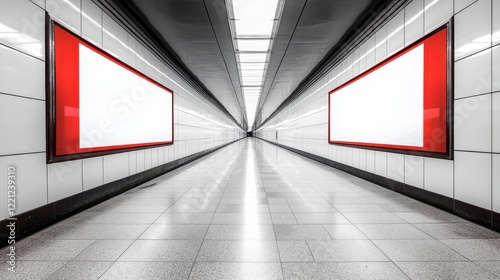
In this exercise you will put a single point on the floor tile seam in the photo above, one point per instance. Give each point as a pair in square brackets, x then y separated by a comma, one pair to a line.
[183, 194]
[291, 167]
[59, 260]
[272, 224]
[379, 249]
[310, 250]
[462, 239]
[490, 271]
[211, 221]
[136, 239]
[311, 186]
[396, 263]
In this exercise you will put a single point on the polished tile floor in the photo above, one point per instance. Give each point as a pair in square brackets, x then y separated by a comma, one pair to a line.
[256, 211]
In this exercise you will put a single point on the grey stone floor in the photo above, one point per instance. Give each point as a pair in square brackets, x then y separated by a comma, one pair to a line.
[256, 211]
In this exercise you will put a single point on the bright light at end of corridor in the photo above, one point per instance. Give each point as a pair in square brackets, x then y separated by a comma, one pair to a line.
[253, 26]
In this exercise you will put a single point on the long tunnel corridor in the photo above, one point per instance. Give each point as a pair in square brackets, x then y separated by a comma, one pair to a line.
[253, 210]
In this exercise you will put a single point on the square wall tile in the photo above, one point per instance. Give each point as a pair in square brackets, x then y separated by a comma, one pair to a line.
[381, 45]
[154, 157]
[396, 167]
[92, 173]
[414, 171]
[343, 152]
[31, 177]
[64, 179]
[132, 163]
[437, 12]
[66, 12]
[438, 176]
[370, 52]
[381, 163]
[496, 121]
[148, 159]
[395, 33]
[362, 159]
[473, 75]
[472, 123]
[355, 72]
[140, 161]
[115, 38]
[370, 161]
[349, 156]
[23, 122]
[21, 74]
[462, 4]
[414, 21]
[473, 29]
[160, 156]
[132, 57]
[495, 32]
[473, 178]
[495, 55]
[355, 158]
[362, 58]
[26, 22]
[91, 22]
[168, 154]
[115, 167]
[140, 62]
[496, 183]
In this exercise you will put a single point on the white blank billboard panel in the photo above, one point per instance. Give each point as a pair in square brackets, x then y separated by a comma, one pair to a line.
[383, 107]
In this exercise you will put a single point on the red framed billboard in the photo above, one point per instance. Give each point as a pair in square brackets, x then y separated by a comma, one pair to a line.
[98, 104]
[402, 104]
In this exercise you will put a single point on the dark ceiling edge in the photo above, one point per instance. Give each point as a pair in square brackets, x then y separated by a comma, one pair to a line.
[375, 16]
[260, 103]
[238, 99]
[124, 13]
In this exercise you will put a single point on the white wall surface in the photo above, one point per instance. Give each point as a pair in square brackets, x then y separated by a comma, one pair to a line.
[198, 125]
[472, 176]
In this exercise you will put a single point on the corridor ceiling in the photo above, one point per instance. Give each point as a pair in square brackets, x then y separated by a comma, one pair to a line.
[199, 35]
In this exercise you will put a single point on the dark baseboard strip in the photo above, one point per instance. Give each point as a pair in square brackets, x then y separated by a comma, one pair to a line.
[474, 213]
[37, 219]
[468, 211]
[496, 221]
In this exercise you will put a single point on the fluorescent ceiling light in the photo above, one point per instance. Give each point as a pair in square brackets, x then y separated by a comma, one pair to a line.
[256, 95]
[254, 28]
[252, 57]
[255, 9]
[250, 89]
[252, 66]
[253, 45]
[255, 73]
[245, 79]
[251, 83]
[253, 24]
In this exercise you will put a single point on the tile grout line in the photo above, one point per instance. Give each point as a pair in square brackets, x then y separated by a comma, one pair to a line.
[211, 221]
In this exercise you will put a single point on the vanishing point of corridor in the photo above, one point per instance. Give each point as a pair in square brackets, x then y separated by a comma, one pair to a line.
[253, 210]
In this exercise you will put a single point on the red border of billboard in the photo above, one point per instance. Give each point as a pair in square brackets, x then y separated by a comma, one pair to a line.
[435, 94]
[66, 68]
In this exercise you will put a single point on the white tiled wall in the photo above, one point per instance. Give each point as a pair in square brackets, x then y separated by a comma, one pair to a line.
[496, 183]
[198, 125]
[92, 172]
[472, 177]
[21, 75]
[31, 172]
[64, 179]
